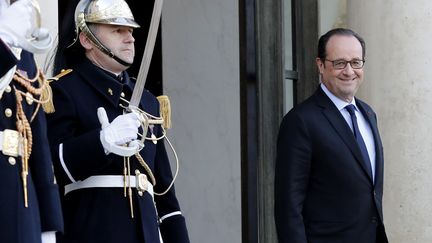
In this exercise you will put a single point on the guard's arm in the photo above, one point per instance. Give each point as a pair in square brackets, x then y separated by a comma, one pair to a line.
[41, 167]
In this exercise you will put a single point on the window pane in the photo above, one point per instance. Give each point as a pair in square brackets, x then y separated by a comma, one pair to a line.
[288, 95]
[288, 35]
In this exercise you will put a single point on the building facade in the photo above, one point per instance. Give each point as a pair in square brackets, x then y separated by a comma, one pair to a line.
[233, 68]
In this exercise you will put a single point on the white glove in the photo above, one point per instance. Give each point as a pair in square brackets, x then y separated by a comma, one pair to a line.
[122, 130]
[15, 22]
[48, 237]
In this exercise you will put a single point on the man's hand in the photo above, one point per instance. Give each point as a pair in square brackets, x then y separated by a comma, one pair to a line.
[122, 130]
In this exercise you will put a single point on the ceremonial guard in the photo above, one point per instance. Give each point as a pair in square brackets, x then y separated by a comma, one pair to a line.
[30, 210]
[109, 155]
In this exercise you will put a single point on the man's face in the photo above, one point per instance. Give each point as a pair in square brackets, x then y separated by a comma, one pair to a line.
[119, 40]
[343, 83]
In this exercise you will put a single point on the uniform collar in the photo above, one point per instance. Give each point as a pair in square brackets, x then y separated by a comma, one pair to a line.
[105, 83]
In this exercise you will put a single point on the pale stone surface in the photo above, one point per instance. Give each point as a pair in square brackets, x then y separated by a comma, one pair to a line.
[332, 14]
[201, 76]
[398, 86]
[49, 20]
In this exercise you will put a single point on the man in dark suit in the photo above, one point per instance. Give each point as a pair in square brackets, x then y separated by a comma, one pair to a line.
[329, 167]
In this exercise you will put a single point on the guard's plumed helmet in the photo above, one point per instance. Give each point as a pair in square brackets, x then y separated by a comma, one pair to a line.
[112, 12]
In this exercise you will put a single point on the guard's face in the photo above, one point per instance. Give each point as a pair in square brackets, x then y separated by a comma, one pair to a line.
[119, 40]
[343, 83]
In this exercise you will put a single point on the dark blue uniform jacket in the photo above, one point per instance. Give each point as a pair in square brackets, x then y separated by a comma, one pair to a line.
[103, 214]
[17, 223]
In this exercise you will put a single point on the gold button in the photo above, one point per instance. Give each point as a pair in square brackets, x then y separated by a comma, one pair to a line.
[8, 89]
[29, 98]
[110, 91]
[12, 160]
[8, 112]
[122, 94]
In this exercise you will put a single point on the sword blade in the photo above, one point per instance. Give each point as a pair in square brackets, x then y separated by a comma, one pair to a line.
[148, 52]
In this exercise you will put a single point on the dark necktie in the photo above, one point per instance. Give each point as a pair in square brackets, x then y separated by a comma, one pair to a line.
[359, 138]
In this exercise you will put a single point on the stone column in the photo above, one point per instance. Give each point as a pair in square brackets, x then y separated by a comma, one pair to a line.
[200, 52]
[398, 85]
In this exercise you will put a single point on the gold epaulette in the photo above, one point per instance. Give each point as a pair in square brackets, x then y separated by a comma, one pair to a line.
[48, 107]
[62, 73]
[165, 110]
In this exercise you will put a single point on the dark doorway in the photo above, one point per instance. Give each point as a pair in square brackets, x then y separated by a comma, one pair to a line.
[262, 76]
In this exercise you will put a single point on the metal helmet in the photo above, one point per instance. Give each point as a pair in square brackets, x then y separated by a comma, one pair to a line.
[114, 12]
[111, 12]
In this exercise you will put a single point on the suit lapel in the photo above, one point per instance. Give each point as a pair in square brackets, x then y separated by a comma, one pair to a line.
[338, 123]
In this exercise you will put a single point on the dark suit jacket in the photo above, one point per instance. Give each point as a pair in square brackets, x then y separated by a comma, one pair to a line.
[323, 192]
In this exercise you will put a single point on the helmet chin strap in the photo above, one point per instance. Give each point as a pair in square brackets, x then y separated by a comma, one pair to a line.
[122, 62]
[107, 51]
[86, 30]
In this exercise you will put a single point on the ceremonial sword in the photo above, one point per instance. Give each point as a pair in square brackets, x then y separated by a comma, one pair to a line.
[148, 52]
[139, 88]
[139, 85]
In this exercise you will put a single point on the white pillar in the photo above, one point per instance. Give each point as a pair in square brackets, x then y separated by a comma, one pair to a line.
[398, 84]
[201, 75]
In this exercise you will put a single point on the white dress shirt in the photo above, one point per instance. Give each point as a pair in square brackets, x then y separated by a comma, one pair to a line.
[363, 125]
